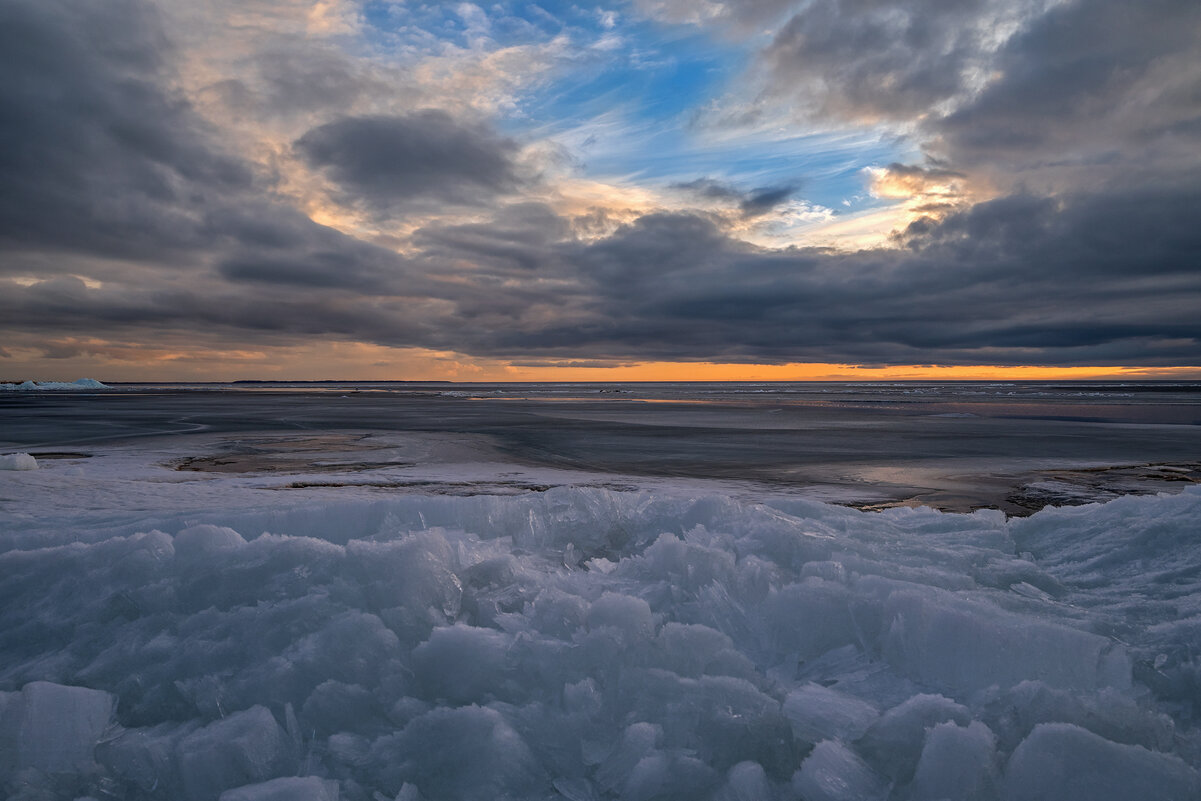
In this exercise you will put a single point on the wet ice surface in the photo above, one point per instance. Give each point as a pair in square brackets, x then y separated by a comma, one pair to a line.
[956, 447]
[363, 614]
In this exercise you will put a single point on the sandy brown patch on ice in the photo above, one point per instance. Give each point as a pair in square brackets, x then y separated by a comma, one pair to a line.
[1023, 494]
[329, 452]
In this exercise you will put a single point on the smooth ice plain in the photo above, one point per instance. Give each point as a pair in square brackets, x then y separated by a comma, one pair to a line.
[167, 635]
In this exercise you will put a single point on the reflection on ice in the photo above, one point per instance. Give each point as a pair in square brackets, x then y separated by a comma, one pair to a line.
[587, 644]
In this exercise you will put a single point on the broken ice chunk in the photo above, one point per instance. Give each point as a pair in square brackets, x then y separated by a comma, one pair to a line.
[968, 646]
[637, 742]
[52, 727]
[894, 742]
[576, 789]
[245, 748]
[629, 616]
[1062, 762]
[820, 713]
[461, 663]
[957, 762]
[458, 754]
[145, 758]
[834, 772]
[287, 788]
[746, 781]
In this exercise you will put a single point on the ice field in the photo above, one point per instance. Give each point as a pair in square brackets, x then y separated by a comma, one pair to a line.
[176, 636]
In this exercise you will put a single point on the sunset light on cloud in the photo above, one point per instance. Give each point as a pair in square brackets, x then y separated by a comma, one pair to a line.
[634, 190]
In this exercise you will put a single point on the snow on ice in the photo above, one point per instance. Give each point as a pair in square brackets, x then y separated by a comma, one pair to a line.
[589, 644]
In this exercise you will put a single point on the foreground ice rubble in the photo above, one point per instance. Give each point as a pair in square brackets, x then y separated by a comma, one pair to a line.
[585, 644]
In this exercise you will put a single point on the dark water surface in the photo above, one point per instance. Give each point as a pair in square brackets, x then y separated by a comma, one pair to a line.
[962, 445]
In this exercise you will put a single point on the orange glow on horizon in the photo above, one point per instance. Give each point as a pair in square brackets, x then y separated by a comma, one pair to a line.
[175, 359]
[707, 371]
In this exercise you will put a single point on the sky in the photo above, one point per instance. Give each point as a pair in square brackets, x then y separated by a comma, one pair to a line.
[637, 190]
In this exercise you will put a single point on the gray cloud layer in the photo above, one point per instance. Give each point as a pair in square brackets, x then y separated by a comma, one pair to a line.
[1091, 254]
[1015, 280]
[96, 157]
[875, 58]
[753, 203]
[1090, 91]
[388, 163]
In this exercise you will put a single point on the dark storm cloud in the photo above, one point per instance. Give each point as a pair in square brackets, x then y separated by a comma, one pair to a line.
[1139, 234]
[1110, 86]
[291, 80]
[752, 203]
[876, 58]
[519, 239]
[273, 245]
[94, 157]
[1089, 125]
[107, 173]
[1018, 280]
[304, 78]
[99, 159]
[387, 162]
[710, 189]
[276, 317]
[316, 270]
[1083, 91]
[761, 201]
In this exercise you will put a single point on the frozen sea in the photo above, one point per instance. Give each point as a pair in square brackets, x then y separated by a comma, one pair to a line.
[910, 591]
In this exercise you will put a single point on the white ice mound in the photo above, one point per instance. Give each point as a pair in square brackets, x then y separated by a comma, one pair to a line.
[18, 461]
[41, 386]
[205, 541]
[52, 728]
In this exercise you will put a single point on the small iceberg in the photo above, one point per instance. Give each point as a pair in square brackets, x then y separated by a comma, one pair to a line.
[41, 386]
[18, 461]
